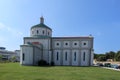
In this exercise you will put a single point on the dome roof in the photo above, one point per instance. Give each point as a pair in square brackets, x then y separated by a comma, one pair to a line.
[41, 24]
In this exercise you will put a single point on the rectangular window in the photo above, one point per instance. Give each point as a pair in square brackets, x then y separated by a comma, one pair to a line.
[75, 56]
[66, 56]
[23, 56]
[84, 56]
[57, 56]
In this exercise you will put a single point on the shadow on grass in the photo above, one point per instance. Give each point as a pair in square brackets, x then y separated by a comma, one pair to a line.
[57, 66]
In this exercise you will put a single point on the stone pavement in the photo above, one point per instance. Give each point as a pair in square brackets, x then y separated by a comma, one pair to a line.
[111, 68]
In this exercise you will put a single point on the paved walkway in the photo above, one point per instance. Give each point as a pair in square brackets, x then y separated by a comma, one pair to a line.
[111, 68]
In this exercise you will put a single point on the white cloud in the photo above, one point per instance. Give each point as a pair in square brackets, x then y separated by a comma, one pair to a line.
[2, 26]
[10, 37]
[2, 41]
[10, 30]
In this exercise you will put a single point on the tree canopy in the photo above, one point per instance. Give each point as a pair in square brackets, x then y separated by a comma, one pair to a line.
[115, 56]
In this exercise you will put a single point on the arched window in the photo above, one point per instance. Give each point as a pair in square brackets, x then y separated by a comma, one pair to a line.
[48, 33]
[57, 56]
[37, 31]
[32, 32]
[23, 56]
[43, 32]
[74, 56]
[84, 56]
[66, 56]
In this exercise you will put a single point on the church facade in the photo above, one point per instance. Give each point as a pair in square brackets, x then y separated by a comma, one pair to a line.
[68, 51]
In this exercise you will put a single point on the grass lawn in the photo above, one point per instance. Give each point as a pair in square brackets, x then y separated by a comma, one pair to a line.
[14, 71]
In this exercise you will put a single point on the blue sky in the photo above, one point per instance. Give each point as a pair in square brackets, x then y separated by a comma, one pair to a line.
[101, 18]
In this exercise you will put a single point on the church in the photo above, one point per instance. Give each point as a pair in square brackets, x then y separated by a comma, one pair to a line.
[62, 51]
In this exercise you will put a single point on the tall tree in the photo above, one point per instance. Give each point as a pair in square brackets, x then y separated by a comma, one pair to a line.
[101, 58]
[117, 57]
[110, 55]
[96, 56]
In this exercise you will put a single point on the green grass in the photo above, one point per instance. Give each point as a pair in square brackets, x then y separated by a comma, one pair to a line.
[14, 71]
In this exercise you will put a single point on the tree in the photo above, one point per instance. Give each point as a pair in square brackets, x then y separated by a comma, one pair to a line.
[96, 56]
[101, 58]
[13, 58]
[110, 55]
[0, 57]
[117, 56]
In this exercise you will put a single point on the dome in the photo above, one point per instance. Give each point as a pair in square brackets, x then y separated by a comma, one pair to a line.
[41, 30]
[41, 24]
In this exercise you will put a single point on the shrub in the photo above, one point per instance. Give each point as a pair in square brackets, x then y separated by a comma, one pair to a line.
[42, 63]
[52, 63]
